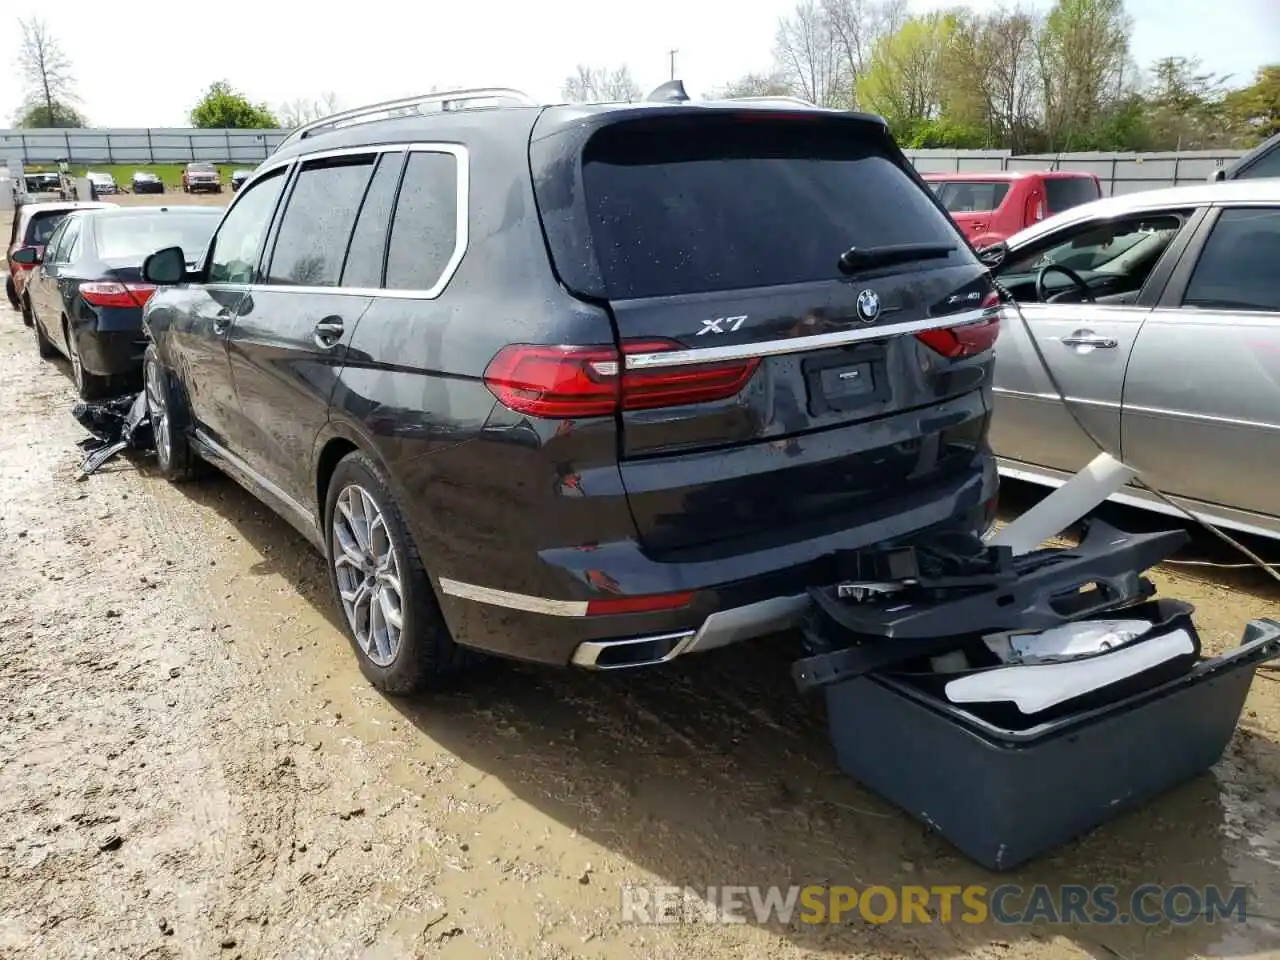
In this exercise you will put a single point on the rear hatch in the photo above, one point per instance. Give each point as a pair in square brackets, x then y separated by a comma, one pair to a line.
[972, 203]
[1063, 193]
[763, 392]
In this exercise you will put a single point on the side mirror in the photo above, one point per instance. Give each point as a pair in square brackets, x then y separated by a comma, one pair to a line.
[27, 257]
[165, 267]
[993, 255]
[1219, 174]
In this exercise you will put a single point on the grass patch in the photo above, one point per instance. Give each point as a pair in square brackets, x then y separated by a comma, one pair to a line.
[169, 173]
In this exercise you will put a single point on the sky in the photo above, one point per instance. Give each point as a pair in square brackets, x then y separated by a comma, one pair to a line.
[147, 66]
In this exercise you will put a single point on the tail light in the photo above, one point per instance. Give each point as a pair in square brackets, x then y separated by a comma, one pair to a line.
[559, 382]
[969, 338]
[110, 293]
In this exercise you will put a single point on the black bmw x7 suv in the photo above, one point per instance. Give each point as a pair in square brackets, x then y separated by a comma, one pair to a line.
[581, 384]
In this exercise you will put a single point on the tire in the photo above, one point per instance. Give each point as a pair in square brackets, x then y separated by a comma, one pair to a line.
[425, 654]
[89, 386]
[185, 188]
[218, 189]
[167, 410]
[12, 293]
[44, 346]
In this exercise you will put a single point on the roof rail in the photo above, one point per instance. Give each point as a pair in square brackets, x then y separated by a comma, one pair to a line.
[406, 106]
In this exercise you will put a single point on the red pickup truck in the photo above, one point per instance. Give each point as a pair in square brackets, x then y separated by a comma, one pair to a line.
[993, 206]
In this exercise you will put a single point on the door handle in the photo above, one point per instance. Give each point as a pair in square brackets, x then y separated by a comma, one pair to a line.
[1087, 338]
[328, 332]
[221, 321]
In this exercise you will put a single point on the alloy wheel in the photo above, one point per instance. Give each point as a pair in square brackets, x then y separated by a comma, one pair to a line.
[158, 413]
[367, 567]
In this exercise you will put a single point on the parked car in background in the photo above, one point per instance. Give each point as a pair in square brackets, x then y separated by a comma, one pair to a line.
[32, 225]
[1262, 161]
[86, 290]
[587, 426]
[991, 206]
[199, 176]
[145, 182]
[239, 177]
[104, 184]
[1159, 314]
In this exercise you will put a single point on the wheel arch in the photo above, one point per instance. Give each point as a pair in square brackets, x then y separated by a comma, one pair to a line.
[335, 441]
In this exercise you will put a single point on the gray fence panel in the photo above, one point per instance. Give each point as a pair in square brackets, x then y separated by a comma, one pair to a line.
[1119, 172]
[140, 145]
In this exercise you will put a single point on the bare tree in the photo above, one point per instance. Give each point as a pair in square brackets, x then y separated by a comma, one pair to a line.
[46, 72]
[590, 84]
[809, 57]
[756, 85]
[854, 26]
[303, 110]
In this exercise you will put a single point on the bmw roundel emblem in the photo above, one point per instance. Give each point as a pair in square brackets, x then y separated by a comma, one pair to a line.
[868, 306]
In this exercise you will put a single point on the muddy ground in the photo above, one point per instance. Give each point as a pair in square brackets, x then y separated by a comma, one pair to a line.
[191, 764]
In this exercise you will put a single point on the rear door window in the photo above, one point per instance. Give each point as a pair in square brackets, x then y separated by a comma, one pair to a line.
[1063, 193]
[368, 245]
[734, 203]
[55, 241]
[962, 196]
[425, 231]
[67, 242]
[317, 223]
[1237, 270]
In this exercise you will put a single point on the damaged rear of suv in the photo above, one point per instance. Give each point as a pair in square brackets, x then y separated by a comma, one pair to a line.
[595, 384]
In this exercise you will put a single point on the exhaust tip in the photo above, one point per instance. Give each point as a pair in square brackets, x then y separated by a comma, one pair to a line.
[632, 652]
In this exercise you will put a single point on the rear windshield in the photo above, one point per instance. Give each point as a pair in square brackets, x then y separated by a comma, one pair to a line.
[732, 203]
[1062, 193]
[970, 196]
[42, 225]
[136, 238]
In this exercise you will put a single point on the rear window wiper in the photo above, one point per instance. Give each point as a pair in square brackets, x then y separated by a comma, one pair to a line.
[856, 259]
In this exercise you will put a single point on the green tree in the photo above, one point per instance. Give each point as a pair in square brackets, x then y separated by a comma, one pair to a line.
[1254, 111]
[917, 80]
[1185, 106]
[223, 107]
[39, 115]
[1085, 69]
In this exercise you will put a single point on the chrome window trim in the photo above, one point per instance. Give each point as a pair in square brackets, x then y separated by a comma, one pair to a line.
[820, 341]
[461, 240]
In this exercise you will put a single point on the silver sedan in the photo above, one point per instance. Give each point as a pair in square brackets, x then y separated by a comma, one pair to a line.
[1159, 315]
